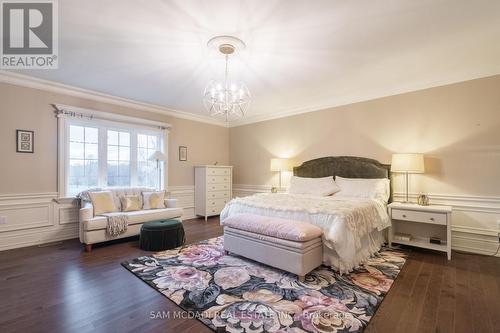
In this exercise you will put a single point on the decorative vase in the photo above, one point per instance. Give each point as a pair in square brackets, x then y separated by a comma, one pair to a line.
[423, 200]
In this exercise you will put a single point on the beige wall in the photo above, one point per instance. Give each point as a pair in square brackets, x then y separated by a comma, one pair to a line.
[26, 108]
[456, 126]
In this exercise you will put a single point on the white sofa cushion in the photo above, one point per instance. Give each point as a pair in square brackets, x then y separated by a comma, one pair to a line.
[139, 216]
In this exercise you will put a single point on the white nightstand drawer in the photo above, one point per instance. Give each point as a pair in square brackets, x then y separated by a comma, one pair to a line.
[218, 179]
[425, 217]
[218, 171]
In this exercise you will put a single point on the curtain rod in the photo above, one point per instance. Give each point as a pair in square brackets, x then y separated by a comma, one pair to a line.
[81, 113]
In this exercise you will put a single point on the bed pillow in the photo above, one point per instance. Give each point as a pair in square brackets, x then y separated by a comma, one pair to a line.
[153, 200]
[313, 186]
[371, 188]
[130, 203]
[103, 202]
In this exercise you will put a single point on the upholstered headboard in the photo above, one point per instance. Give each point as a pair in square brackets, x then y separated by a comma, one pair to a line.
[344, 166]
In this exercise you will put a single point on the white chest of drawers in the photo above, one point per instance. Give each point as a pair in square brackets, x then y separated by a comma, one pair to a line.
[213, 189]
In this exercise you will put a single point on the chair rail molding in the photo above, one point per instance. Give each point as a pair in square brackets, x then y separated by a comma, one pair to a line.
[475, 217]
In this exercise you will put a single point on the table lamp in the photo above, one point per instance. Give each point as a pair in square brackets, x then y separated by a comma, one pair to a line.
[280, 165]
[407, 163]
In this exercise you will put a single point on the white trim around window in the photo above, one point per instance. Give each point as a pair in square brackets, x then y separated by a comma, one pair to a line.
[104, 121]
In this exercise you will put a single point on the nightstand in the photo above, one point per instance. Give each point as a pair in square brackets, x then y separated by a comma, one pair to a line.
[421, 222]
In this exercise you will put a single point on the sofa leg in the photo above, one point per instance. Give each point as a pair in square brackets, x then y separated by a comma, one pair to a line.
[301, 278]
[226, 252]
[88, 247]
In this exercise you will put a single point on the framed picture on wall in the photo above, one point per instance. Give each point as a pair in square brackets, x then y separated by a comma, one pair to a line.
[25, 141]
[183, 153]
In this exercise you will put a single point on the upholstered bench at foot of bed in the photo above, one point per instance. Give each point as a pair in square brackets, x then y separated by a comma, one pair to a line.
[292, 246]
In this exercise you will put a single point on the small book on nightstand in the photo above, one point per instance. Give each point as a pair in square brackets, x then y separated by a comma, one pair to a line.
[402, 236]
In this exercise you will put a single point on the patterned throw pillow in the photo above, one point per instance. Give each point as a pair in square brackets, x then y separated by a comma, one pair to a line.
[103, 202]
[130, 203]
[153, 200]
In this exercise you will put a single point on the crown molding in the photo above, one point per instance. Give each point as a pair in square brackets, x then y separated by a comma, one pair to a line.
[52, 86]
[60, 88]
[347, 100]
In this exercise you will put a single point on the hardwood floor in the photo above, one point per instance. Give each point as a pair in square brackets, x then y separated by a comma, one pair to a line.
[60, 288]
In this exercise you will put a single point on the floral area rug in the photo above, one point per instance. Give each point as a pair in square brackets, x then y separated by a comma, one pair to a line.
[234, 294]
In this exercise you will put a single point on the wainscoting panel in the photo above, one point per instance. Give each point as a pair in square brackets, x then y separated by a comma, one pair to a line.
[34, 219]
[67, 213]
[25, 216]
[474, 226]
[185, 197]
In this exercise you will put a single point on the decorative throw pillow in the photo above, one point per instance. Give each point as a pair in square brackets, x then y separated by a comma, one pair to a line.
[130, 203]
[322, 187]
[153, 200]
[103, 202]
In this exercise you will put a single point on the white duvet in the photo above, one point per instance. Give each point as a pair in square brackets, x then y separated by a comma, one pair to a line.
[347, 223]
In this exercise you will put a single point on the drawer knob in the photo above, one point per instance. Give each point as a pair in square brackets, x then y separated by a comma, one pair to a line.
[404, 215]
[432, 219]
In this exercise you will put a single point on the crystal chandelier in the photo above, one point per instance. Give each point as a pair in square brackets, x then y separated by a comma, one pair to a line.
[226, 99]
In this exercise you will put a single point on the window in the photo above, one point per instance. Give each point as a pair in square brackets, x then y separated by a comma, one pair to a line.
[146, 169]
[83, 157]
[107, 154]
[118, 158]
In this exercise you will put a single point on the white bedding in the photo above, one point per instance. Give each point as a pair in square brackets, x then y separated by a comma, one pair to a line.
[351, 226]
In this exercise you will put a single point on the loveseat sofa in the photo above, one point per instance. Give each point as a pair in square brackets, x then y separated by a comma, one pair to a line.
[93, 228]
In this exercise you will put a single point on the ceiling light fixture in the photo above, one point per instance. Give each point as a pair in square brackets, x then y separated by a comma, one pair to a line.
[226, 99]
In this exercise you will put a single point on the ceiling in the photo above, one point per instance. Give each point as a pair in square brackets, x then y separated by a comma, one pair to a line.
[301, 55]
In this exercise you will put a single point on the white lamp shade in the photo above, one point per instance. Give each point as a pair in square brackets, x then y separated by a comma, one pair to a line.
[411, 163]
[281, 164]
[158, 156]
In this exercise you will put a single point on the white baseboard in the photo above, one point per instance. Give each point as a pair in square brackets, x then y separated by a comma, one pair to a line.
[474, 217]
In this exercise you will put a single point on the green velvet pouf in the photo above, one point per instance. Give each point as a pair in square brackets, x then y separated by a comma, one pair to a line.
[162, 235]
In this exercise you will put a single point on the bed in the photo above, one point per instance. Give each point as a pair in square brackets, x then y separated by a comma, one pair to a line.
[353, 228]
